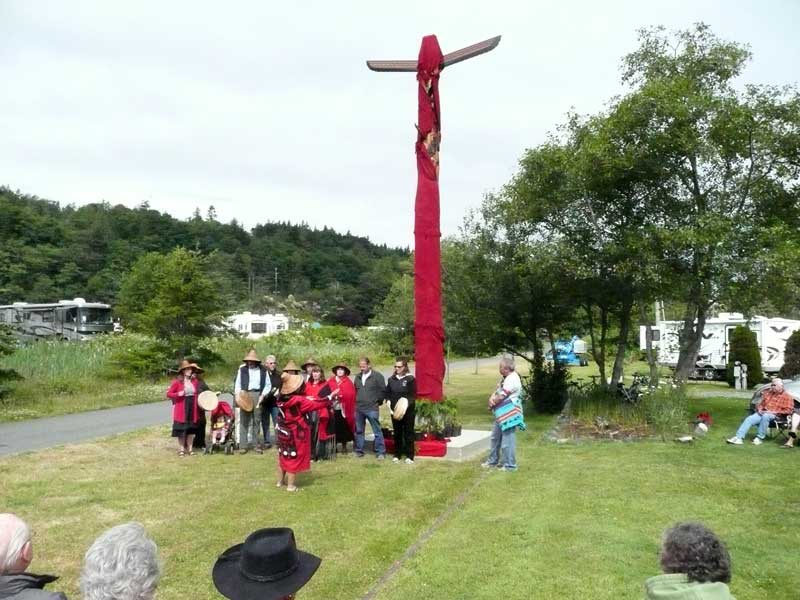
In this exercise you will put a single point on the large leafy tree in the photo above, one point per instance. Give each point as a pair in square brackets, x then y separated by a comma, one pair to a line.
[728, 162]
[173, 298]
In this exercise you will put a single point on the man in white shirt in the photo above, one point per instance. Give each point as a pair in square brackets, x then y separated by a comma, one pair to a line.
[252, 378]
[505, 442]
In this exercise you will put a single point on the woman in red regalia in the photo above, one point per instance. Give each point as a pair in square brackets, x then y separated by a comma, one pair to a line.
[294, 433]
[316, 387]
[186, 415]
[343, 395]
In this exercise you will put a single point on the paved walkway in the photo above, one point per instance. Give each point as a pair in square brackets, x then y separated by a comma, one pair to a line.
[38, 434]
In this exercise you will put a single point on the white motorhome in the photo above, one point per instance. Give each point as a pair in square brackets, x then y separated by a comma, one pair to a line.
[712, 359]
[74, 319]
[255, 326]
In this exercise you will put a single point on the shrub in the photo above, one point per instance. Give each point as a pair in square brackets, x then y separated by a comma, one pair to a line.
[791, 357]
[744, 348]
[666, 411]
[546, 387]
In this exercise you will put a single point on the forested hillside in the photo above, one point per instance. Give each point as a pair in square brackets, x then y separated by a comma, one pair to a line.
[49, 252]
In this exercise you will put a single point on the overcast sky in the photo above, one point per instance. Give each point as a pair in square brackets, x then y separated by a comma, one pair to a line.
[266, 109]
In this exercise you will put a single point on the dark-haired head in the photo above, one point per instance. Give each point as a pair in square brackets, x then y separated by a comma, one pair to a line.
[694, 550]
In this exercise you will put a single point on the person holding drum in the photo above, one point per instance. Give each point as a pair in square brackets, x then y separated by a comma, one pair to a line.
[401, 391]
[249, 389]
[186, 415]
[506, 405]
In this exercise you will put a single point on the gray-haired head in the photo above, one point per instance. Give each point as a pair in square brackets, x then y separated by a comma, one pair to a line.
[507, 362]
[122, 564]
[15, 544]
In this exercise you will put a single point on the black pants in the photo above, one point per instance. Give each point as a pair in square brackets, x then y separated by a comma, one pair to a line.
[404, 434]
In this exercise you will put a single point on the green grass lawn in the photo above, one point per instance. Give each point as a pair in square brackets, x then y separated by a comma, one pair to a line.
[576, 521]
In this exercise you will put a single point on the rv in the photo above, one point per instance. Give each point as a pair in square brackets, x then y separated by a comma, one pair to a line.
[254, 327]
[72, 320]
[712, 358]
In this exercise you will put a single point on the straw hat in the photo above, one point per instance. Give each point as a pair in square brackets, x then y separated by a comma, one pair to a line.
[268, 566]
[400, 409]
[309, 362]
[341, 365]
[208, 400]
[290, 383]
[185, 364]
[252, 356]
[291, 367]
[244, 401]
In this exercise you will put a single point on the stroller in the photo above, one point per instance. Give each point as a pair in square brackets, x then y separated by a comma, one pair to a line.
[222, 428]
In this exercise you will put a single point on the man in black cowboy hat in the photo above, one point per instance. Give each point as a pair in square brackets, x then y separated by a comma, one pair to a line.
[267, 566]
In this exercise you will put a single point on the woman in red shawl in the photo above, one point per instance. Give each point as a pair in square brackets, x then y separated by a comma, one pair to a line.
[294, 433]
[344, 404]
[318, 388]
[186, 415]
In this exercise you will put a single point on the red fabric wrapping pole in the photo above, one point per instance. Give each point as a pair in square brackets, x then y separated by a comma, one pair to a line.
[428, 324]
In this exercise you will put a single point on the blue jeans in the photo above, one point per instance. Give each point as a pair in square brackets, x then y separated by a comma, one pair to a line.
[505, 442]
[361, 423]
[265, 416]
[762, 420]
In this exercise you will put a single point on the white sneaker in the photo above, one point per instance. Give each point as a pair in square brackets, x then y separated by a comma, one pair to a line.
[409, 461]
[735, 441]
[757, 441]
[395, 459]
[488, 465]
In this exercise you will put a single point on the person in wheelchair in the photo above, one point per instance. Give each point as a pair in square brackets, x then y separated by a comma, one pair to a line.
[774, 401]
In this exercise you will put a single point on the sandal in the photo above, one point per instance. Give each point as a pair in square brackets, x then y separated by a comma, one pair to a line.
[181, 452]
[291, 488]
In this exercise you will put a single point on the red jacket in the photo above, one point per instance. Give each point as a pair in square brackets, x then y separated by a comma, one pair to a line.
[178, 407]
[347, 396]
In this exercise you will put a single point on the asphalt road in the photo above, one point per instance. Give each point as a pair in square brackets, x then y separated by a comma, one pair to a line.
[38, 434]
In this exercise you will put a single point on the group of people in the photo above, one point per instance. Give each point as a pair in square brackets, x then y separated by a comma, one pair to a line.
[310, 415]
[123, 564]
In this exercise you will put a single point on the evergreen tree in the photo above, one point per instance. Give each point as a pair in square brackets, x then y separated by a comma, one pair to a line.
[791, 357]
[744, 349]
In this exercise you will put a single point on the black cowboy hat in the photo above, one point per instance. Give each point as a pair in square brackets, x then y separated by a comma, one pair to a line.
[268, 566]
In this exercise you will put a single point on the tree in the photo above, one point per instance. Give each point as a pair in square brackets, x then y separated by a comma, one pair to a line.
[727, 164]
[173, 298]
[791, 357]
[396, 317]
[7, 346]
[744, 349]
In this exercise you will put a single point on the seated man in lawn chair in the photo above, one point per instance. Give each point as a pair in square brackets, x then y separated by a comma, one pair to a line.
[775, 402]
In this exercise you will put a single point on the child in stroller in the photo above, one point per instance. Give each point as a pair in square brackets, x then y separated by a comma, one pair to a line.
[222, 428]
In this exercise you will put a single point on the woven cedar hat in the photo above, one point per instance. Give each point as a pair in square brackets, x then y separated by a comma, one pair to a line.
[267, 566]
[252, 356]
[341, 365]
[185, 364]
[291, 367]
[309, 361]
[290, 383]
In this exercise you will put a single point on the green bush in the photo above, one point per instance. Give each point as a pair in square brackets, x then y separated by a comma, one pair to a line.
[744, 348]
[546, 387]
[791, 357]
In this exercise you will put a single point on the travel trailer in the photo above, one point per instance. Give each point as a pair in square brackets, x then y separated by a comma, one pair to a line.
[257, 326]
[712, 359]
[72, 320]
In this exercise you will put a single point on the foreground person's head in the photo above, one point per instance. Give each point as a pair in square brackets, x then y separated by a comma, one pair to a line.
[121, 564]
[695, 551]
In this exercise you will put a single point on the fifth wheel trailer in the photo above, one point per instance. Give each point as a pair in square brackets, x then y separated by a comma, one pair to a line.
[712, 359]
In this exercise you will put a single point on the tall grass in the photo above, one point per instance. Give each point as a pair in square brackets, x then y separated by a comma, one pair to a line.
[63, 377]
[663, 411]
